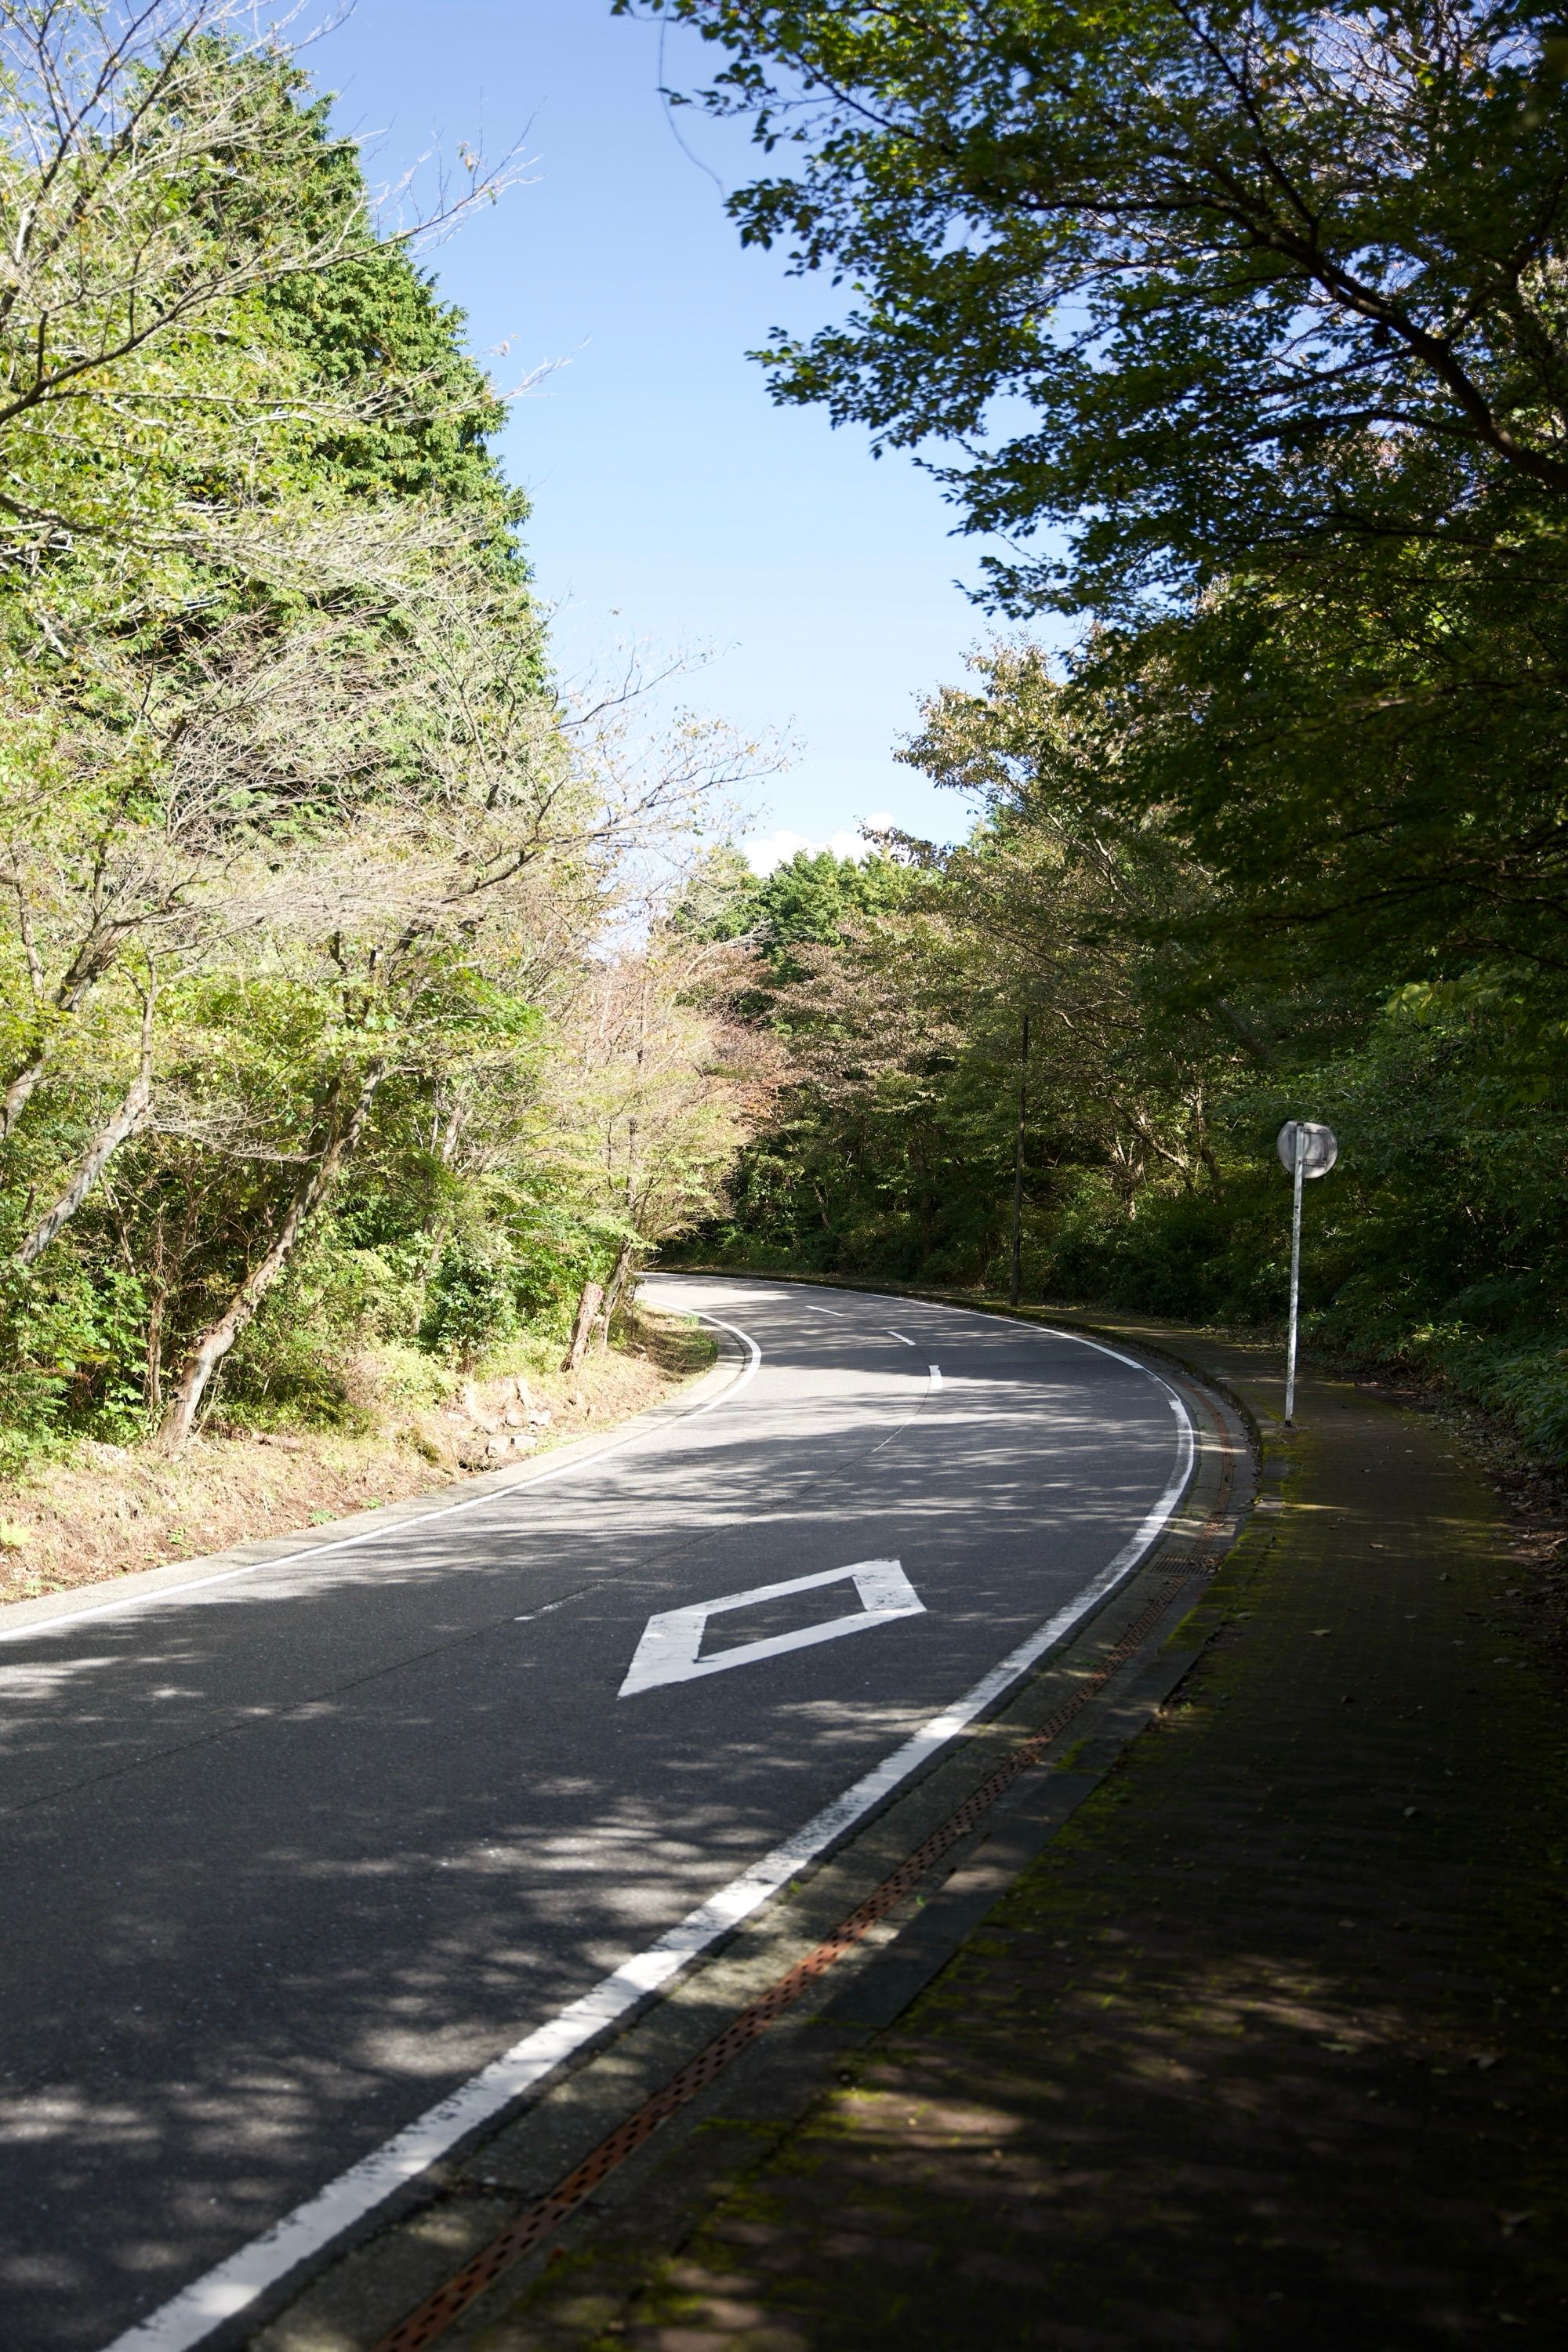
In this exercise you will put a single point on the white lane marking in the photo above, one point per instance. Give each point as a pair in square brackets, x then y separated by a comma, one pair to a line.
[672, 1638]
[227, 2289]
[545, 1607]
[935, 1371]
[175, 1593]
[898, 1334]
[742, 1379]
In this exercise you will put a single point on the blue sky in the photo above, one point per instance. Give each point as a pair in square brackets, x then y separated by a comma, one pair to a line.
[673, 502]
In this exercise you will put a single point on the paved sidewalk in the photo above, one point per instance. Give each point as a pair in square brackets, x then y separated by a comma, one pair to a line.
[1266, 2050]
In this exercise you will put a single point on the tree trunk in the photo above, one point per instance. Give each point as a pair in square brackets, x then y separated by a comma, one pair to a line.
[587, 1307]
[617, 1279]
[207, 1352]
[132, 1110]
[13, 1101]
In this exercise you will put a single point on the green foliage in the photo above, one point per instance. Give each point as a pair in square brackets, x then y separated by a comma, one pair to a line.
[69, 1337]
[1222, 262]
[372, 332]
[1245, 326]
[470, 1302]
[1168, 1044]
[309, 1086]
[808, 900]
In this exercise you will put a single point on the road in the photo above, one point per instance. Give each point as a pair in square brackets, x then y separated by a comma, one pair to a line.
[291, 1860]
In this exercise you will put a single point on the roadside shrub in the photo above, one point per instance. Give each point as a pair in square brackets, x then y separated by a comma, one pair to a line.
[470, 1302]
[68, 1358]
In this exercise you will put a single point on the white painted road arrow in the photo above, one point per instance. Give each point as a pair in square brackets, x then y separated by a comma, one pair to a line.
[668, 1652]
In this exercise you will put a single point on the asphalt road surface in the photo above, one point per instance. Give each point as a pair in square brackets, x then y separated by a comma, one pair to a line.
[288, 1862]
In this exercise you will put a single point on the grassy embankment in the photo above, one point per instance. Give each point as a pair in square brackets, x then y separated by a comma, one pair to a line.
[107, 1510]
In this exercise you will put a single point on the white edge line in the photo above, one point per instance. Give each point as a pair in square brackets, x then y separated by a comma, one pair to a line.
[176, 1593]
[228, 2288]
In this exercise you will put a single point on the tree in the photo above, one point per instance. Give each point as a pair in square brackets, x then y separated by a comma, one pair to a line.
[1371, 781]
[1280, 293]
[308, 866]
[475, 797]
[1243, 327]
[168, 201]
[1262, 277]
[665, 1087]
[810, 899]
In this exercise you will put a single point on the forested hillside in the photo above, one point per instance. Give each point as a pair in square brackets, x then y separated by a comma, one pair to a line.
[344, 1031]
[363, 991]
[1243, 332]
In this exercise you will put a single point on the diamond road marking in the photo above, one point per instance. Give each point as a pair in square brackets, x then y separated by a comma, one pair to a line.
[671, 1640]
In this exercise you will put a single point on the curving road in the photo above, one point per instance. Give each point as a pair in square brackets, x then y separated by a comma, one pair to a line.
[307, 1871]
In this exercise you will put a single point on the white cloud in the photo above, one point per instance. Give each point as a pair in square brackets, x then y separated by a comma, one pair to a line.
[771, 849]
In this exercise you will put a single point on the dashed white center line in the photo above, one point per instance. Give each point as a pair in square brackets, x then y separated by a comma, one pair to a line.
[898, 1334]
[935, 1371]
[545, 1607]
